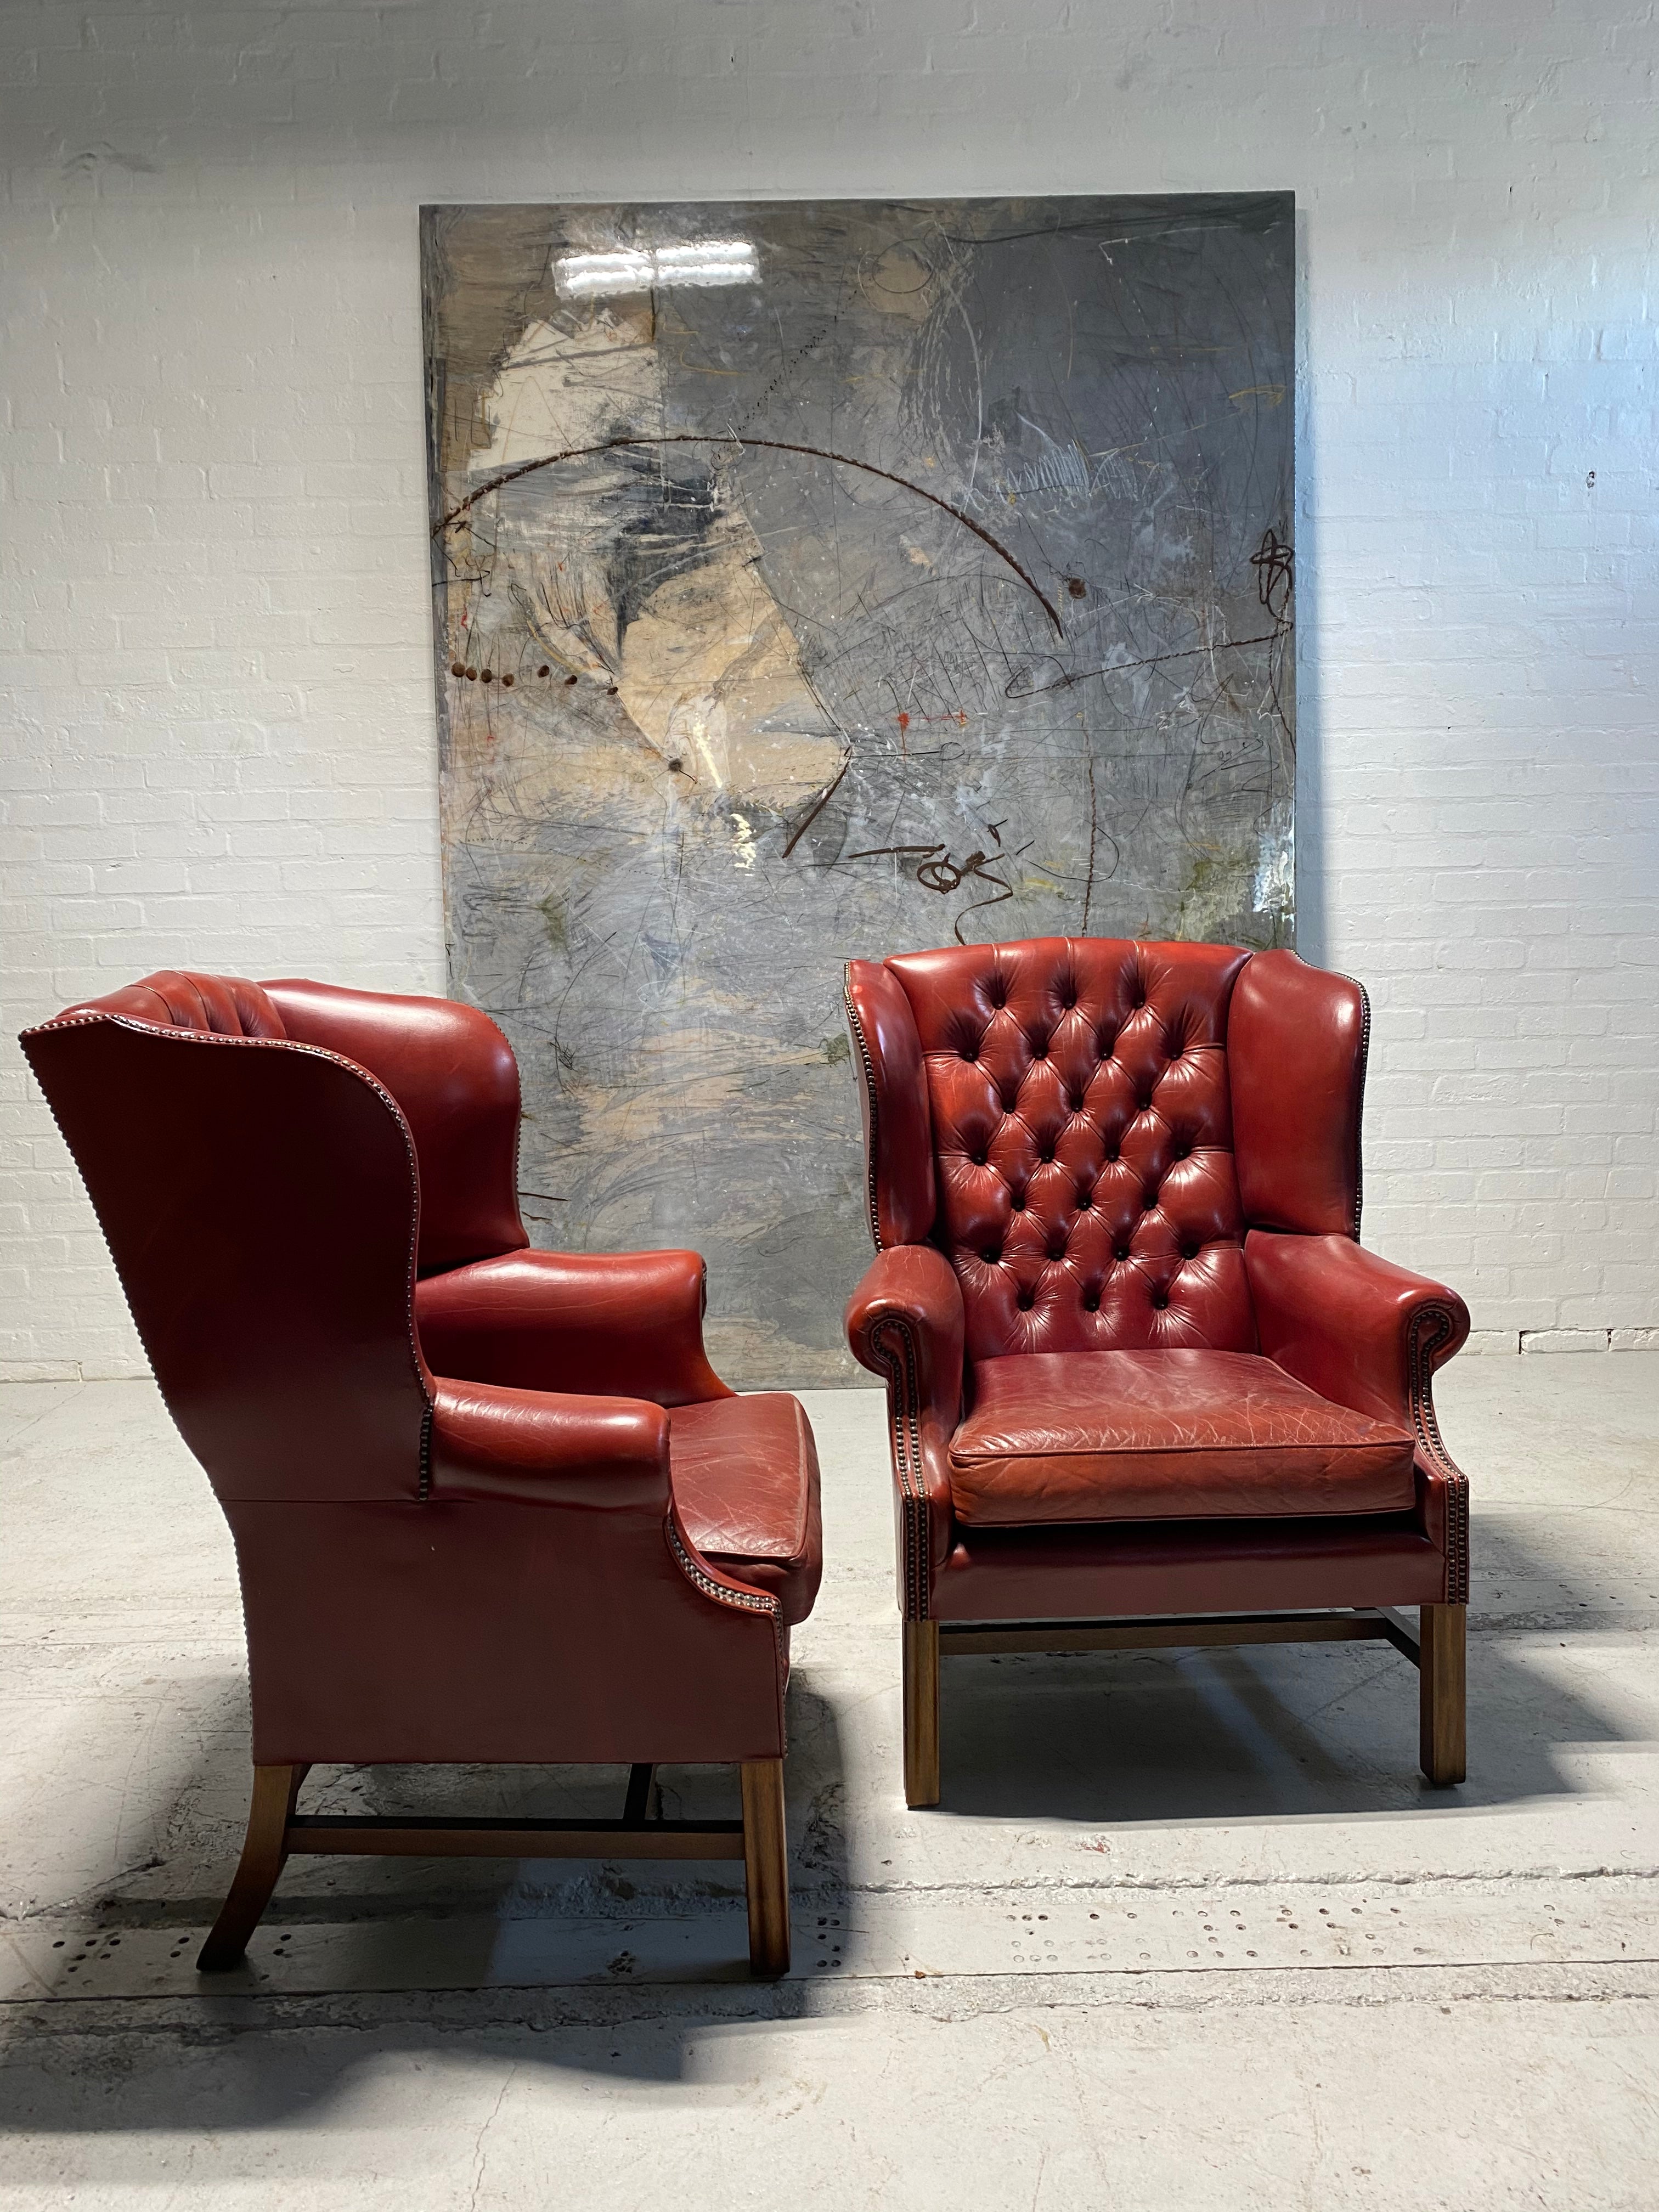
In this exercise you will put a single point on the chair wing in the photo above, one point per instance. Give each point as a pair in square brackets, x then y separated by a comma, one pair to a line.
[452, 1072]
[259, 1199]
[1297, 1041]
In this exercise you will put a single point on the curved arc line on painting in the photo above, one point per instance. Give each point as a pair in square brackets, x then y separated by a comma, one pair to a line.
[771, 445]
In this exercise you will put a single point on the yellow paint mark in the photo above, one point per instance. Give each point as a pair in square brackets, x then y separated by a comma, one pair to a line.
[707, 369]
[1271, 395]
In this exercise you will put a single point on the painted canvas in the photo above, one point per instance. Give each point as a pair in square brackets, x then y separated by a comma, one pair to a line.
[814, 580]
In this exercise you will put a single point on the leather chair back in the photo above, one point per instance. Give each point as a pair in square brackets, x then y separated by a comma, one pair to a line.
[269, 1166]
[260, 1200]
[1059, 1116]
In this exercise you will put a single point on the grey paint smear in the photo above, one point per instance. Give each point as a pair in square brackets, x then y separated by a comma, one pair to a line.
[935, 585]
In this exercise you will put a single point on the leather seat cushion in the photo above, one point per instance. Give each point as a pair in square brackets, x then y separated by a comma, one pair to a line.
[1165, 1436]
[745, 1477]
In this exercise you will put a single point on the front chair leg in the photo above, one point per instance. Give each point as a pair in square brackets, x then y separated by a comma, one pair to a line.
[766, 1866]
[275, 1791]
[922, 1712]
[1441, 1688]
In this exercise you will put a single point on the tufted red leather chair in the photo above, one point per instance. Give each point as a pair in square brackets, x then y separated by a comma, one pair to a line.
[1144, 1384]
[489, 1503]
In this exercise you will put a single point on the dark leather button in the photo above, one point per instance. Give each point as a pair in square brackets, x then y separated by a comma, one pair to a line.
[1010, 1101]
[1048, 1154]
[1189, 1251]
[1159, 1301]
[1025, 1301]
[1105, 1045]
[1086, 1199]
[992, 1257]
[1091, 1302]
[1148, 1201]
[1040, 1050]
[1057, 1251]
[970, 1052]
[1121, 1251]
[1111, 1158]
[978, 1159]
[1019, 1201]
[1075, 1102]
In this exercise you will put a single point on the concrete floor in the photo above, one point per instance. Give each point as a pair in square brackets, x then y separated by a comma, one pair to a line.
[1187, 1931]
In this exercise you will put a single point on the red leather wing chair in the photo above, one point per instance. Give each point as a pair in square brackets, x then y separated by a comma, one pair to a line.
[1144, 1384]
[489, 1503]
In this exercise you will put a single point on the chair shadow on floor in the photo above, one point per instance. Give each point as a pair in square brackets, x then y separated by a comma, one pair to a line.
[460, 1916]
[1271, 1733]
[1265, 1735]
[1283, 1735]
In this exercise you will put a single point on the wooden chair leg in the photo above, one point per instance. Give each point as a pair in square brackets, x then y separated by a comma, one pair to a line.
[1441, 1738]
[922, 1712]
[275, 1791]
[766, 1866]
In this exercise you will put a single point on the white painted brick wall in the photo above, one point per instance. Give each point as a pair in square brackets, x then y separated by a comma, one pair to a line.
[219, 739]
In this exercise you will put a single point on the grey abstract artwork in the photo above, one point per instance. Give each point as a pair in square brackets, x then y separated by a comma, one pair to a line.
[815, 580]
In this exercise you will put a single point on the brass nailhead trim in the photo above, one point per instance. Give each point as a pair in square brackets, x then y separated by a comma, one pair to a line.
[723, 1593]
[868, 1065]
[904, 1426]
[1359, 1103]
[1433, 1326]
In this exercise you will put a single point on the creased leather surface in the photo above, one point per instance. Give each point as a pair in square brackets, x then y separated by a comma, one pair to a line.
[622, 1323]
[453, 1074]
[1082, 1134]
[1296, 1044]
[503, 1446]
[1155, 1435]
[745, 1477]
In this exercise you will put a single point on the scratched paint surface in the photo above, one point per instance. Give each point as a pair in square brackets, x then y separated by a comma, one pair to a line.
[921, 571]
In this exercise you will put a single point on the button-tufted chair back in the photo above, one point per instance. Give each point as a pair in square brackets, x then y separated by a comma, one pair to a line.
[1058, 1117]
[176, 998]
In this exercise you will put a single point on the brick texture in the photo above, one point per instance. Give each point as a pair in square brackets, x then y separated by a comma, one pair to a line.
[220, 742]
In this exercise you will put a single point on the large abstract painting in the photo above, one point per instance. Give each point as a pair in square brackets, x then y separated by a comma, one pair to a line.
[823, 579]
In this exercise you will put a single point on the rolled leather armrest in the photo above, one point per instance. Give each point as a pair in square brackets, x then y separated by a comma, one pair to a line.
[904, 1323]
[556, 1511]
[1366, 1334]
[628, 1324]
[491, 1445]
[536, 1447]
[1355, 1328]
